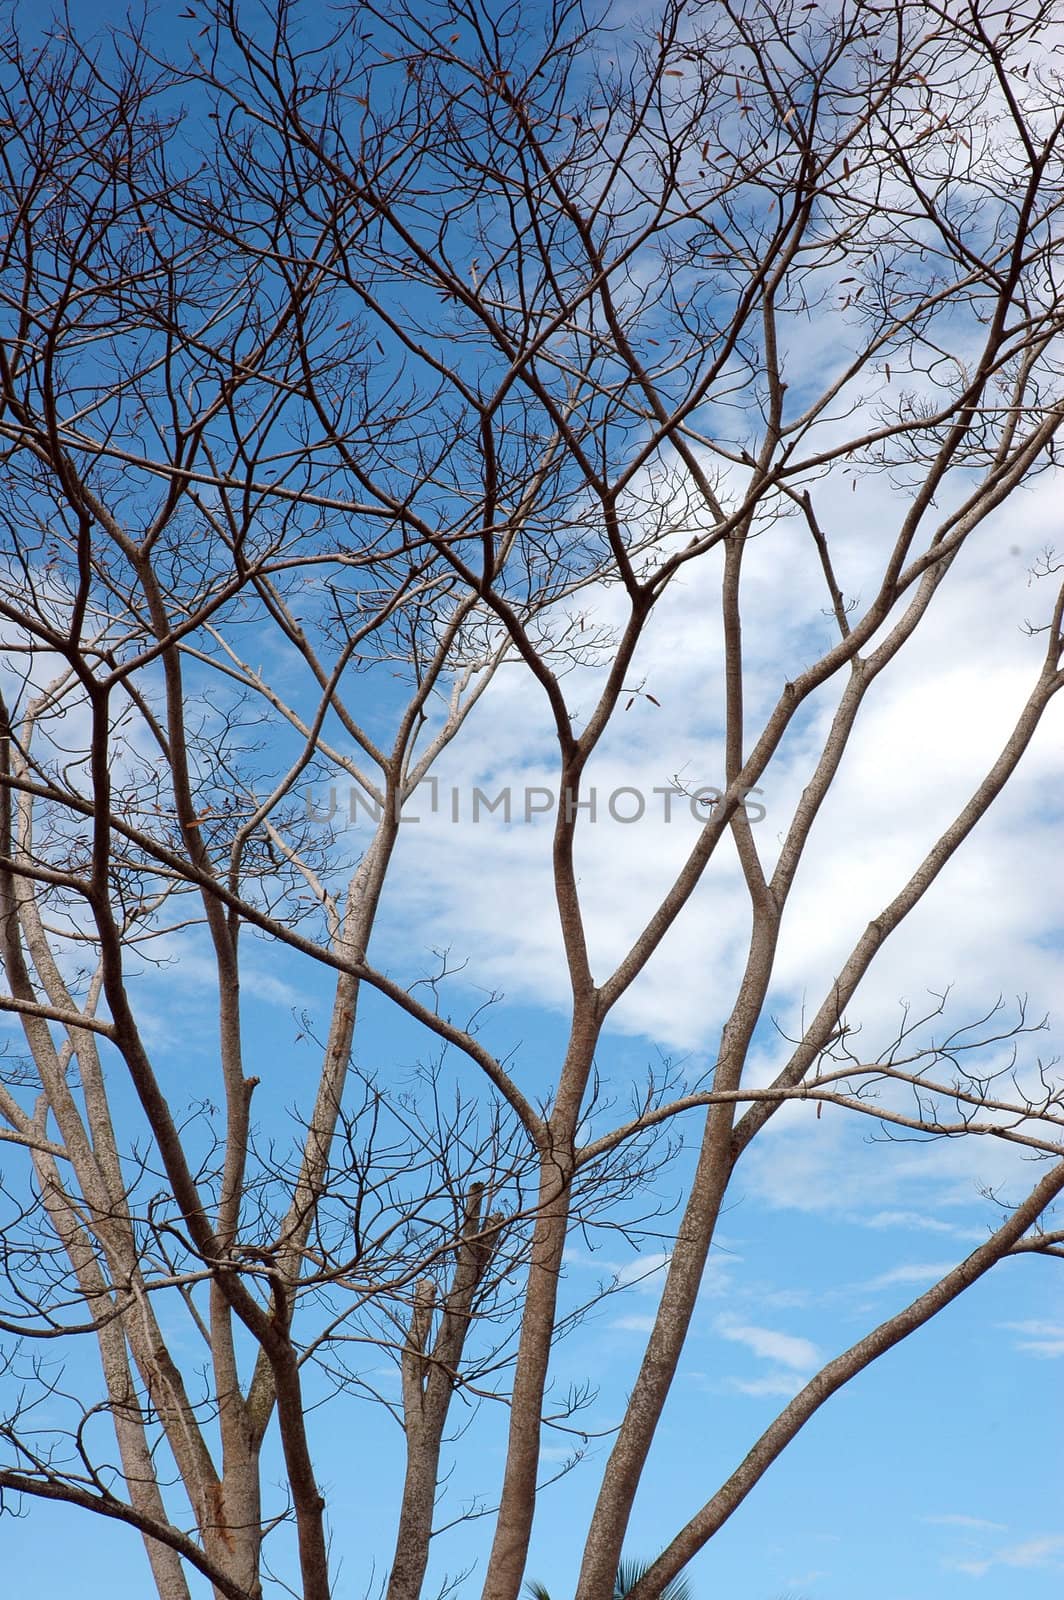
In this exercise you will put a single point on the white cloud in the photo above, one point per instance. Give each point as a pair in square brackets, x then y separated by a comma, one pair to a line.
[926, 734]
[1049, 1348]
[1041, 1338]
[644, 1272]
[783, 1385]
[1033, 1553]
[916, 1221]
[929, 730]
[1045, 1550]
[197, 969]
[785, 1348]
[911, 1272]
[832, 1167]
[956, 1519]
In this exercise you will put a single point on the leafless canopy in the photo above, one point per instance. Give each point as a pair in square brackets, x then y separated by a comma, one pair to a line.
[355, 362]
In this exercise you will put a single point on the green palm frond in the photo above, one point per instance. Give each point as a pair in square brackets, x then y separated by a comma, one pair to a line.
[629, 1573]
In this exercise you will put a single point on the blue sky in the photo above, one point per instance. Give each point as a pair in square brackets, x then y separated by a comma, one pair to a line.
[936, 1473]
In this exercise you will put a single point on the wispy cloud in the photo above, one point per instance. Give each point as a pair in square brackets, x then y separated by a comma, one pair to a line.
[1040, 1338]
[780, 1384]
[196, 968]
[911, 1272]
[552, 1453]
[958, 1519]
[916, 1221]
[792, 1356]
[785, 1348]
[643, 1271]
[1034, 1552]
[1045, 1550]
[939, 719]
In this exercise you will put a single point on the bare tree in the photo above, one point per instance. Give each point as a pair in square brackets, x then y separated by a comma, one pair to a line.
[346, 374]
